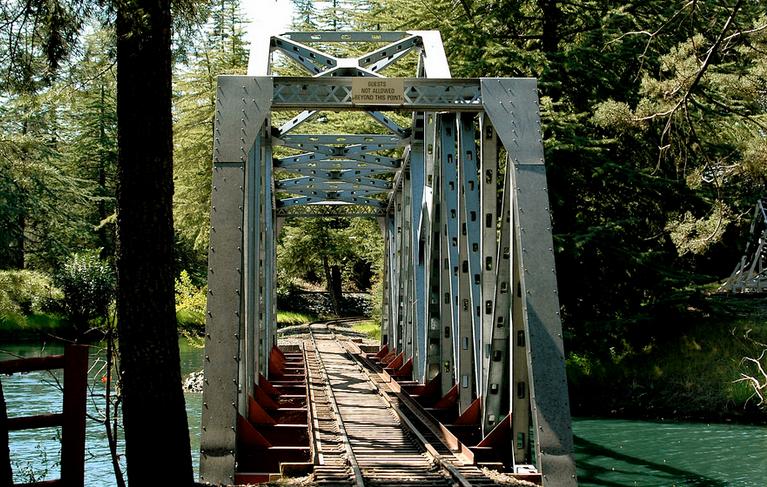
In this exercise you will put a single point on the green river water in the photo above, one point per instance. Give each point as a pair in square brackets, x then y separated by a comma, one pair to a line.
[609, 452]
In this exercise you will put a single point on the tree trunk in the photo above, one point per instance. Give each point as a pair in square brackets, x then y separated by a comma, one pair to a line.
[329, 286]
[551, 22]
[103, 232]
[156, 432]
[335, 287]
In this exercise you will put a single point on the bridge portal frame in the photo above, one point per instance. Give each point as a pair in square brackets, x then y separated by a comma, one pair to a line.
[490, 323]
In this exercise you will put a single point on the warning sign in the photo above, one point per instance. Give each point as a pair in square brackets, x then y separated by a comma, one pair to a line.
[378, 91]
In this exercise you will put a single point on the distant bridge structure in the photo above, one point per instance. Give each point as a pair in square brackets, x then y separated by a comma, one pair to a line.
[750, 273]
[470, 309]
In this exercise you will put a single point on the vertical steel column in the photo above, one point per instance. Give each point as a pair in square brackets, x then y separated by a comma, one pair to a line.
[386, 284]
[399, 311]
[469, 217]
[270, 256]
[512, 105]
[488, 190]
[420, 298]
[430, 236]
[251, 333]
[496, 400]
[234, 137]
[518, 376]
[406, 267]
[449, 223]
[393, 281]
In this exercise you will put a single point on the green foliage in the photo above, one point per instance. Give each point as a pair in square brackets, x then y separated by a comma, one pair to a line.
[689, 371]
[653, 134]
[33, 326]
[306, 246]
[88, 284]
[191, 303]
[293, 318]
[57, 149]
[371, 329]
[220, 49]
[24, 292]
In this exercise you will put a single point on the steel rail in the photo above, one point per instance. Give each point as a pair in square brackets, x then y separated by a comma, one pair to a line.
[358, 479]
[428, 448]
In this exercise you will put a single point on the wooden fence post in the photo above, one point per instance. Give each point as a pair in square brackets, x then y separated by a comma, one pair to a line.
[73, 429]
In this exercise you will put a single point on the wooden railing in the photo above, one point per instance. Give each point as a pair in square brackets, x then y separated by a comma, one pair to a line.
[72, 419]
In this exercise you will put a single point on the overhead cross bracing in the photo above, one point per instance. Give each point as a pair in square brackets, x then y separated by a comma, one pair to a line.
[453, 170]
[750, 273]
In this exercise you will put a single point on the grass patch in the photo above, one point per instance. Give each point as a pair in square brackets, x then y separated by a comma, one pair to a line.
[370, 329]
[293, 318]
[686, 371]
[190, 322]
[15, 326]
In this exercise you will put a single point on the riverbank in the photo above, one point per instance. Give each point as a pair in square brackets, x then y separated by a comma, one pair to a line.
[689, 368]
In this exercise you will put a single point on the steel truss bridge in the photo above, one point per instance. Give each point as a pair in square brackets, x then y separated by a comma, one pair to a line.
[460, 192]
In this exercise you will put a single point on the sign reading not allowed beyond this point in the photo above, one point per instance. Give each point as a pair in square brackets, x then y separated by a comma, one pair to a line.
[378, 91]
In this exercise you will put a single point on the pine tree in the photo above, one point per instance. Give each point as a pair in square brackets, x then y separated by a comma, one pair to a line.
[220, 49]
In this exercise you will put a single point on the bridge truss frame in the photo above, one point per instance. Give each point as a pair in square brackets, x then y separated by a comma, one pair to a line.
[470, 291]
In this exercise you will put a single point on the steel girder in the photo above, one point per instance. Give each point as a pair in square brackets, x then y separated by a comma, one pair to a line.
[469, 281]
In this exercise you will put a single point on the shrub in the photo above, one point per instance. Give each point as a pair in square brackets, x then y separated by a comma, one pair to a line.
[190, 303]
[24, 292]
[88, 284]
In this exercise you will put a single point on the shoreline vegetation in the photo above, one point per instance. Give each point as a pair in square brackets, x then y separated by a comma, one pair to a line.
[686, 367]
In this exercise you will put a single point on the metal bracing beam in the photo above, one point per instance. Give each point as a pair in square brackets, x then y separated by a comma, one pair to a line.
[335, 165]
[449, 220]
[333, 192]
[374, 160]
[312, 60]
[350, 180]
[384, 56]
[352, 159]
[345, 36]
[296, 121]
[388, 123]
[469, 218]
[309, 141]
[322, 197]
[356, 152]
[433, 60]
[488, 170]
[335, 93]
[345, 174]
[512, 105]
[330, 210]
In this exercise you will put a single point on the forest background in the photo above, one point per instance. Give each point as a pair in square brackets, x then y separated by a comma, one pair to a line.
[655, 132]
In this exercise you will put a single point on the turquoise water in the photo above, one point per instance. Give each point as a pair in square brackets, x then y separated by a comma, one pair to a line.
[609, 453]
[35, 453]
[644, 453]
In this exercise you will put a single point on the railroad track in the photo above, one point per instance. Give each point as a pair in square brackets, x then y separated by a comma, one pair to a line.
[365, 437]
